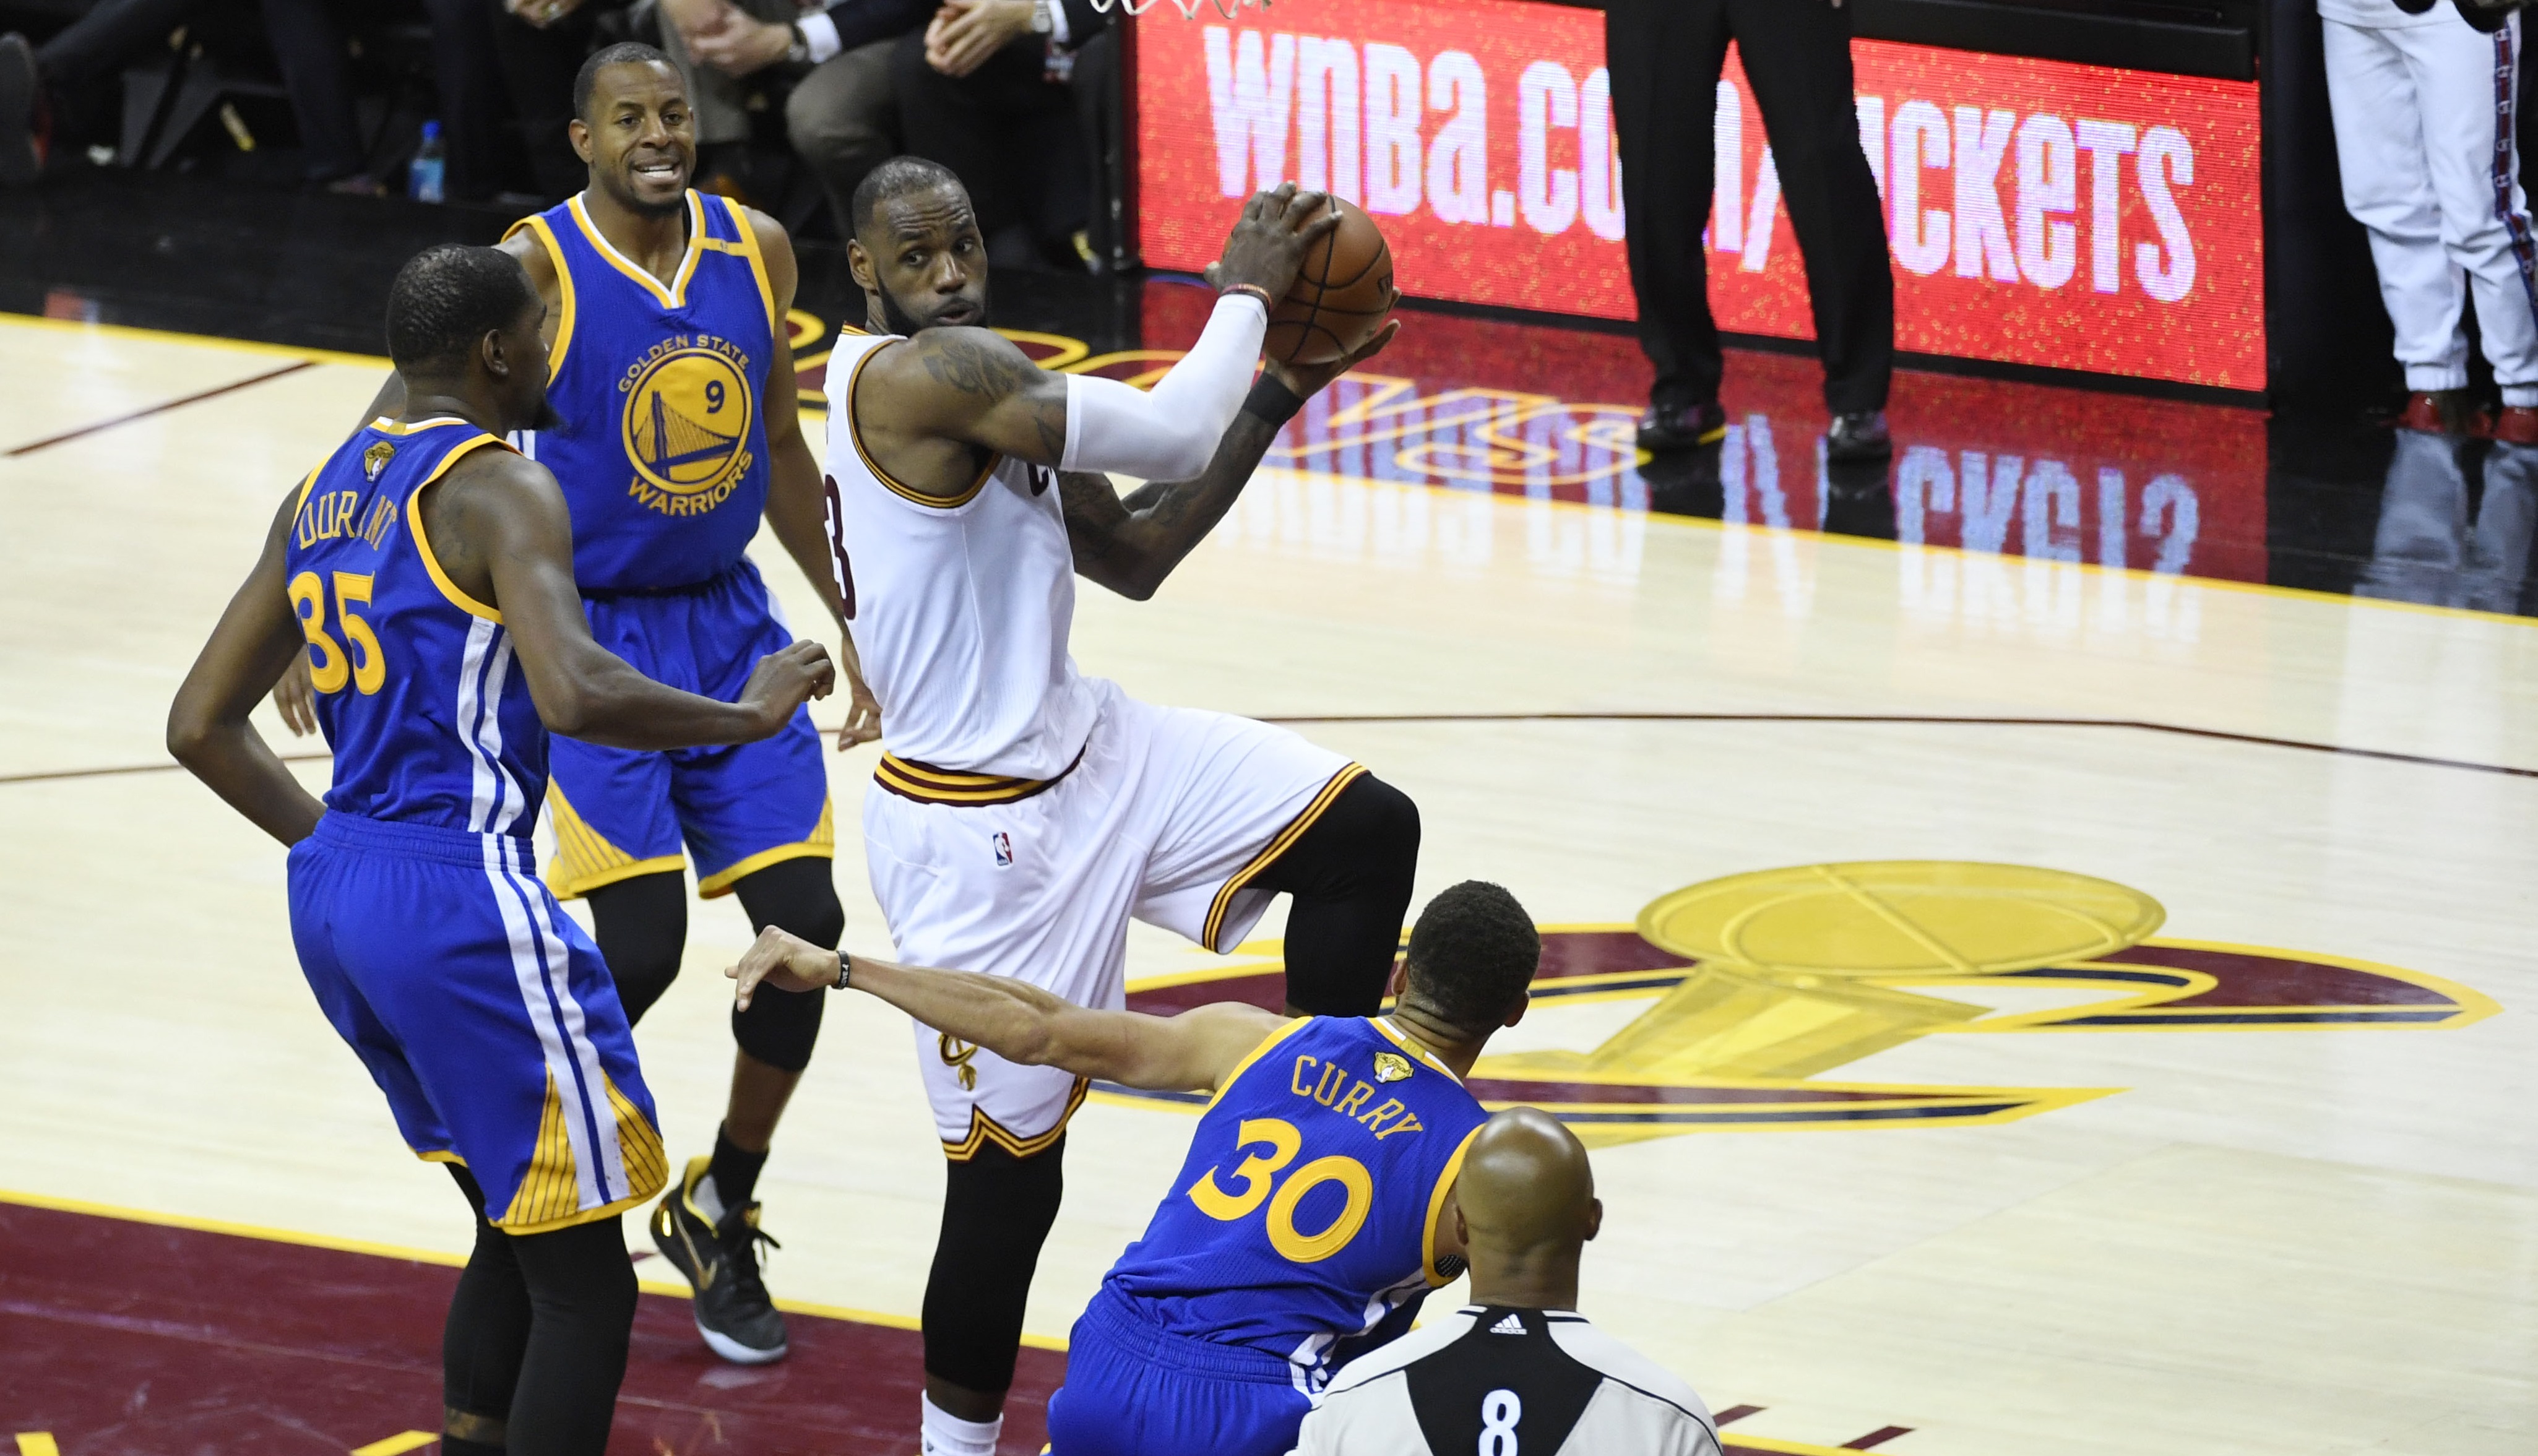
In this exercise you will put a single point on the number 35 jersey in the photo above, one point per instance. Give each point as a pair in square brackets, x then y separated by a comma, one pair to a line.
[418, 693]
[1301, 1220]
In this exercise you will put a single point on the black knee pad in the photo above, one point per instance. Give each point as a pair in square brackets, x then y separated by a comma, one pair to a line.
[1350, 874]
[780, 1027]
[997, 1210]
[641, 926]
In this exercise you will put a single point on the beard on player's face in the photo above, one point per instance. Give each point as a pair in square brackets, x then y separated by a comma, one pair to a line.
[967, 309]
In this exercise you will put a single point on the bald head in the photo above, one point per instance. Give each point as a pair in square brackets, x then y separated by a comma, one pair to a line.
[1526, 1205]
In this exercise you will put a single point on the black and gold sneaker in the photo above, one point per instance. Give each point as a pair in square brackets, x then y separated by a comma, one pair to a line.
[720, 1260]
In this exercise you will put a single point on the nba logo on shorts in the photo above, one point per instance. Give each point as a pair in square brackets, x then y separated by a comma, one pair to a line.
[1004, 847]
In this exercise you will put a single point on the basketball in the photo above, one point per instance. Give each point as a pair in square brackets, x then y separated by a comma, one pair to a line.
[1342, 295]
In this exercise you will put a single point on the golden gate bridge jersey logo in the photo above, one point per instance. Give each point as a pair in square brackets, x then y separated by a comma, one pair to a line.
[689, 412]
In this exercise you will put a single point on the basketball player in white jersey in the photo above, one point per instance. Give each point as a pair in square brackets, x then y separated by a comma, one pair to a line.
[1023, 811]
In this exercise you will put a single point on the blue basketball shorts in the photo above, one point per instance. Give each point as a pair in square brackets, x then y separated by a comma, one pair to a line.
[1136, 1389]
[620, 813]
[482, 1011]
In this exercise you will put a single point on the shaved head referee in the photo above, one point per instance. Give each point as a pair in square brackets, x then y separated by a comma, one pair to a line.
[1517, 1372]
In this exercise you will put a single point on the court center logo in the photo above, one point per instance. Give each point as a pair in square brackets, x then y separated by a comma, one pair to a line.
[1757, 983]
[689, 409]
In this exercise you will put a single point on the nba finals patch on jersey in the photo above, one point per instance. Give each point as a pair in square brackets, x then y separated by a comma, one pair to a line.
[1391, 1067]
[686, 417]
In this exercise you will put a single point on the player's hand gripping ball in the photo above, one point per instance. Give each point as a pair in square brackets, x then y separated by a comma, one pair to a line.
[1342, 293]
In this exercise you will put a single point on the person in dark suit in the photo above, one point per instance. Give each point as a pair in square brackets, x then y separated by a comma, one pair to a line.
[988, 89]
[1665, 57]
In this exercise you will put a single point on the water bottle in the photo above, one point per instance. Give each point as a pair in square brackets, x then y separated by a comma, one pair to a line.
[423, 179]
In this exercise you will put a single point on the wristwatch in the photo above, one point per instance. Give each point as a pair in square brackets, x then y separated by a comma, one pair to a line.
[845, 970]
[796, 54]
[1043, 17]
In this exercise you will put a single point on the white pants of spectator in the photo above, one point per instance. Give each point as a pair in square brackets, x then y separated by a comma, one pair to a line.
[2424, 108]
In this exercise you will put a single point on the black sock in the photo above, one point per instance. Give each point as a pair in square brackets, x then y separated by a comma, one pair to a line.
[734, 1170]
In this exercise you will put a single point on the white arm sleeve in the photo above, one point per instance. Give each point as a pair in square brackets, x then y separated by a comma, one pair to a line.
[1169, 432]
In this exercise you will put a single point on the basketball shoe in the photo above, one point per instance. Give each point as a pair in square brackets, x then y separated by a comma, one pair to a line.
[1681, 427]
[2441, 412]
[716, 1248]
[1861, 436]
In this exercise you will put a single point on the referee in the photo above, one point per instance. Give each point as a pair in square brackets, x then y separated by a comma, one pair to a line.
[1517, 1372]
[1665, 57]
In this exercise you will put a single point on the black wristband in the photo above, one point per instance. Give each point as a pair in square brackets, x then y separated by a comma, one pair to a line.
[1272, 401]
[845, 972]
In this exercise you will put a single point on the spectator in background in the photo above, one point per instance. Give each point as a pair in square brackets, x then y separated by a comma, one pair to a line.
[839, 117]
[36, 80]
[540, 44]
[309, 40]
[1665, 57]
[984, 92]
[2430, 166]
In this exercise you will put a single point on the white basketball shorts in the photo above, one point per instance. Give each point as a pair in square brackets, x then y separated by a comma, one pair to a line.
[1167, 816]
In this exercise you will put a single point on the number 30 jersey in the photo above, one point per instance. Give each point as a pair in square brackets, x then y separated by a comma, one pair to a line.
[1301, 1220]
[428, 713]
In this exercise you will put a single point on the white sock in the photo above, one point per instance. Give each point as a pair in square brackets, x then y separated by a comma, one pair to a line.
[708, 1200]
[944, 1435]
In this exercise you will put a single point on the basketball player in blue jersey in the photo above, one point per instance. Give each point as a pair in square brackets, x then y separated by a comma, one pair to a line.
[676, 430]
[1316, 1208]
[426, 572]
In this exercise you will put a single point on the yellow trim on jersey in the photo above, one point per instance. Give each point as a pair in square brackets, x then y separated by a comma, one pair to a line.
[441, 1154]
[386, 426]
[306, 486]
[984, 1130]
[822, 844]
[1285, 841]
[1436, 1207]
[888, 482]
[676, 295]
[1255, 1054]
[549, 1192]
[422, 542]
[585, 860]
[747, 247]
[537, 224]
[1402, 1039]
[927, 785]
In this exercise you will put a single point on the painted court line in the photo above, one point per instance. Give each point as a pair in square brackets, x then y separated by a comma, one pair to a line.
[66, 436]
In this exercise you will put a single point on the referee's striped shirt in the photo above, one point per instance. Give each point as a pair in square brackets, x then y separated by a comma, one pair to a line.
[1507, 1382]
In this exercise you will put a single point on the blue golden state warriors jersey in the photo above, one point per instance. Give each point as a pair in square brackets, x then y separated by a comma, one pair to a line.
[416, 691]
[1300, 1219]
[662, 391]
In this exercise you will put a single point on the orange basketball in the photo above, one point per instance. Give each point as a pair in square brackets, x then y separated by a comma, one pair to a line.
[1342, 295]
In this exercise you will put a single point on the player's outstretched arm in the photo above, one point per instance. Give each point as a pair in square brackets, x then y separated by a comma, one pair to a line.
[257, 639]
[1021, 1023]
[503, 534]
[1130, 546]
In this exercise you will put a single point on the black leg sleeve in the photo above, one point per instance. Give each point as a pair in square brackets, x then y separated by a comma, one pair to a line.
[1665, 57]
[488, 1334]
[581, 1297]
[799, 895]
[997, 1210]
[1798, 59]
[1351, 875]
[641, 926]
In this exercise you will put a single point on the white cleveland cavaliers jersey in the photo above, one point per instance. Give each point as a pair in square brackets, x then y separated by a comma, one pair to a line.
[960, 609]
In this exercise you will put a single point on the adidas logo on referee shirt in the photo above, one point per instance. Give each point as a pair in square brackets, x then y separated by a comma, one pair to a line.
[1508, 1326]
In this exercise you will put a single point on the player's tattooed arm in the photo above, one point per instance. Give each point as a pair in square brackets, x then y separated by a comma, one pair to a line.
[258, 637]
[1024, 1023]
[501, 530]
[974, 386]
[1131, 544]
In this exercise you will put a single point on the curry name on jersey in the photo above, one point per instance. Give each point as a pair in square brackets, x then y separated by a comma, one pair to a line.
[418, 693]
[661, 391]
[1300, 1224]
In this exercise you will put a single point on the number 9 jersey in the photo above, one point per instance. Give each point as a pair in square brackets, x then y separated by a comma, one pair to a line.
[1300, 1224]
